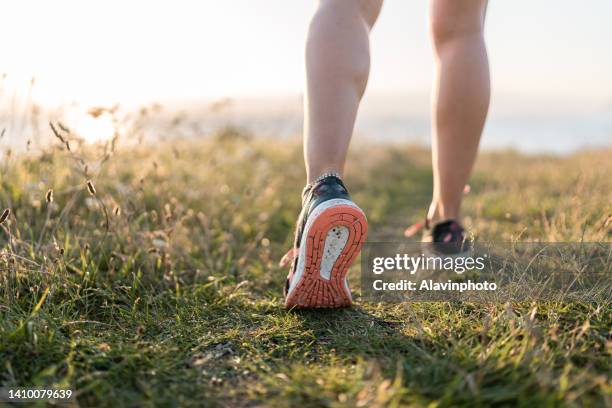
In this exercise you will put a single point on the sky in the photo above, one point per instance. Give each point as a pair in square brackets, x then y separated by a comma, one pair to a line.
[138, 52]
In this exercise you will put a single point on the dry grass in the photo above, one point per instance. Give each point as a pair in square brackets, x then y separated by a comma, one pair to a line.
[141, 274]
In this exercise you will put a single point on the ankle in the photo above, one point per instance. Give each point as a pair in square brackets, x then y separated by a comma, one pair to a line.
[313, 176]
[439, 211]
[325, 175]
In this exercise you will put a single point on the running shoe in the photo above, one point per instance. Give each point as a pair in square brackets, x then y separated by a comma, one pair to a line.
[330, 232]
[446, 237]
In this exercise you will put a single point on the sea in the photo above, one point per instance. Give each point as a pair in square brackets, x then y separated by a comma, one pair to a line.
[523, 127]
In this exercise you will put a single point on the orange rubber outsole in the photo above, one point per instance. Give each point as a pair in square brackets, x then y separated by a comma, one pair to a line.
[314, 291]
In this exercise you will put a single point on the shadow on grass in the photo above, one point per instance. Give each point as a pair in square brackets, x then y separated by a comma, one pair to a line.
[447, 367]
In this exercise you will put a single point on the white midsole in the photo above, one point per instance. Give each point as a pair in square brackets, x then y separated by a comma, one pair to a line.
[299, 271]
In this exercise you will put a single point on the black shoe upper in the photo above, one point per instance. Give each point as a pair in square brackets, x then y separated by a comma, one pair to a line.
[328, 188]
[446, 237]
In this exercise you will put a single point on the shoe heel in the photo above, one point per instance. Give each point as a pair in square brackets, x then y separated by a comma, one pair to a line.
[332, 242]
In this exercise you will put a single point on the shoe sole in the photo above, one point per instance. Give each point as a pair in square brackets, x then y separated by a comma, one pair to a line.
[333, 237]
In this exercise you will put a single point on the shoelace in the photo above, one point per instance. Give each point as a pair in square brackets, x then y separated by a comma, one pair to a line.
[413, 229]
[288, 257]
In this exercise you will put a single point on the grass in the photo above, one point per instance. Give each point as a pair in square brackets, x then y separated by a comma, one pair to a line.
[163, 289]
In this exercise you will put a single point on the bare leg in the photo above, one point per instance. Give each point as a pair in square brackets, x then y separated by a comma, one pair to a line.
[337, 68]
[460, 99]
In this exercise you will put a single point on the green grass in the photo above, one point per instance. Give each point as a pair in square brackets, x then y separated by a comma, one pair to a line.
[164, 289]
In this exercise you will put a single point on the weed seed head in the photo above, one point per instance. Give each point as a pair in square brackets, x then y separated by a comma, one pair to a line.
[91, 188]
[5, 215]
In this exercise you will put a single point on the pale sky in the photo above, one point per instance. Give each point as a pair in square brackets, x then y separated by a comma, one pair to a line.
[137, 52]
